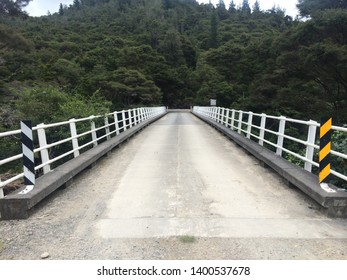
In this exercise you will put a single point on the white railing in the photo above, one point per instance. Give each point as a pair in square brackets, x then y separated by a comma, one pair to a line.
[77, 131]
[275, 132]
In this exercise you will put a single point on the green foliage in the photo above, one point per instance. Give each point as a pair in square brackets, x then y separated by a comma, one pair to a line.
[47, 104]
[339, 144]
[312, 7]
[179, 53]
[13, 8]
[126, 87]
[187, 239]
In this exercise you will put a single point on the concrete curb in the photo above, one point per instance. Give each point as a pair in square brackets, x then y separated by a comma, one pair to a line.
[17, 206]
[335, 204]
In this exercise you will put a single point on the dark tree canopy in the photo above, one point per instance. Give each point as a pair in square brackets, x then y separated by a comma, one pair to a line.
[179, 53]
[309, 7]
[13, 8]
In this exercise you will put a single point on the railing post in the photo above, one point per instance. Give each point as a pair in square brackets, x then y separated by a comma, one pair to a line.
[239, 129]
[43, 143]
[232, 119]
[227, 113]
[280, 138]
[142, 114]
[215, 113]
[249, 124]
[1, 191]
[262, 129]
[221, 117]
[73, 131]
[218, 114]
[139, 115]
[94, 136]
[124, 121]
[116, 125]
[135, 117]
[130, 117]
[150, 113]
[311, 139]
[107, 129]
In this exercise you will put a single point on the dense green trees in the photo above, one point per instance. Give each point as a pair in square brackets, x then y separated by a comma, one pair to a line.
[176, 53]
[310, 7]
[13, 8]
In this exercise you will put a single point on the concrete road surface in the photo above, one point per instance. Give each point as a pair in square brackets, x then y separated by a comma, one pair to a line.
[177, 180]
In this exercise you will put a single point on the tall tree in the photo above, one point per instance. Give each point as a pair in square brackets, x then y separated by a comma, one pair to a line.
[245, 8]
[232, 7]
[13, 8]
[256, 7]
[76, 4]
[61, 9]
[309, 7]
[221, 10]
[214, 30]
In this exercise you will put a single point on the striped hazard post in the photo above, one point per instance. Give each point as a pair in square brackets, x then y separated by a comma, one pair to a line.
[28, 156]
[324, 150]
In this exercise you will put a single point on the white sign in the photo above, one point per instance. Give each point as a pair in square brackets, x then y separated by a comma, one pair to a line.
[213, 102]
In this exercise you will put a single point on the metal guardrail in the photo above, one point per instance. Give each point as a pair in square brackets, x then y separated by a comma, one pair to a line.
[112, 124]
[255, 127]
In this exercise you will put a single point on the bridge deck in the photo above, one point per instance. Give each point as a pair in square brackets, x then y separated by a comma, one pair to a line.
[179, 177]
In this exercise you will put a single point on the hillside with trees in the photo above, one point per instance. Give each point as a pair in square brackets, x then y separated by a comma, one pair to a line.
[100, 55]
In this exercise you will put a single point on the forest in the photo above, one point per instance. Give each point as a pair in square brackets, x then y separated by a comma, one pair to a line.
[96, 56]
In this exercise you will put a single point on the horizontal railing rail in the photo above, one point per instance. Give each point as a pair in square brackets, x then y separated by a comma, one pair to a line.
[279, 133]
[79, 135]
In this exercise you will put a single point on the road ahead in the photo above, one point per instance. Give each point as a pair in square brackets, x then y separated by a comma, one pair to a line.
[178, 177]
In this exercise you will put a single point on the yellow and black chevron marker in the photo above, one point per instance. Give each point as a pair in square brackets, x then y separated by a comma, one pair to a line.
[324, 151]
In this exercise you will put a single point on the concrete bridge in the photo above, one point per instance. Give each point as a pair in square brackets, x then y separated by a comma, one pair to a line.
[180, 177]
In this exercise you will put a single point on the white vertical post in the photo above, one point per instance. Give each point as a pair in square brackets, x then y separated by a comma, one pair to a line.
[43, 143]
[130, 117]
[218, 114]
[74, 140]
[311, 138]
[139, 115]
[1, 191]
[124, 121]
[232, 119]
[262, 129]
[240, 122]
[149, 113]
[92, 129]
[249, 124]
[227, 118]
[222, 116]
[142, 114]
[107, 129]
[116, 125]
[135, 117]
[280, 138]
[215, 113]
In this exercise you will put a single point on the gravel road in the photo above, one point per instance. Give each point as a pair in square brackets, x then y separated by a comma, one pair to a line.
[177, 190]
